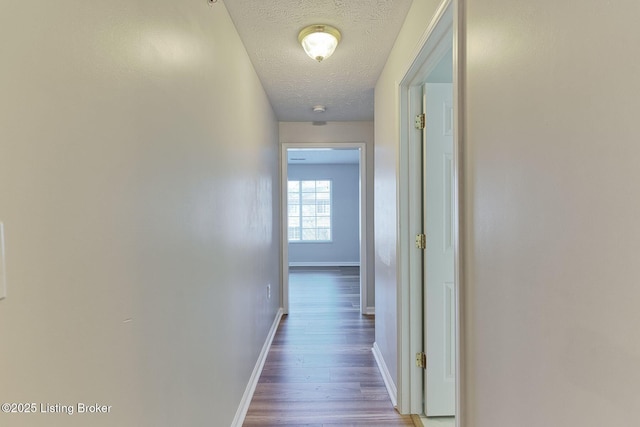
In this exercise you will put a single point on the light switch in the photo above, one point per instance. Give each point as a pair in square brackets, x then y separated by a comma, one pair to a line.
[3, 275]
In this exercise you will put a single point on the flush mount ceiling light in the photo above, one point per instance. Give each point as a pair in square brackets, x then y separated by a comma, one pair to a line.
[319, 40]
[319, 109]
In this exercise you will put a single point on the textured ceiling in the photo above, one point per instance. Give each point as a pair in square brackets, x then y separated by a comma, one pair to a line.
[294, 83]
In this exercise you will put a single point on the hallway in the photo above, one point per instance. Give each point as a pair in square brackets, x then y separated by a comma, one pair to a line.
[320, 370]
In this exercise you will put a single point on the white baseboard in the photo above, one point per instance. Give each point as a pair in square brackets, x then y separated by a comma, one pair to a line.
[238, 420]
[369, 310]
[434, 422]
[386, 376]
[325, 264]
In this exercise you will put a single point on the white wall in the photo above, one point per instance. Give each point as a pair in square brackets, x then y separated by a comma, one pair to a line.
[133, 193]
[387, 134]
[301, 132]
[344, 247]
[553, 240]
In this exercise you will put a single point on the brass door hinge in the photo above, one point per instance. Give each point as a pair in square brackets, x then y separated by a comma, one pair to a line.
[420, 121]
[421, 360]
[421, 241]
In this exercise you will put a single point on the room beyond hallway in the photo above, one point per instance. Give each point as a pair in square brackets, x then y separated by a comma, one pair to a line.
[320, 370]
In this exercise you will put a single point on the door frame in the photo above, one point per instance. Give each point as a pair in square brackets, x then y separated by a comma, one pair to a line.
[361, 147]
[447, 21]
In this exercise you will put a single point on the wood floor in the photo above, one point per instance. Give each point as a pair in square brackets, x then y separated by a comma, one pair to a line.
[320, 370]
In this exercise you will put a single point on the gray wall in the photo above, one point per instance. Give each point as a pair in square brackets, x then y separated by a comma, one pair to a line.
[387, 131]
[344, 249]
[133, 195]
[553, 200]
[551, 237]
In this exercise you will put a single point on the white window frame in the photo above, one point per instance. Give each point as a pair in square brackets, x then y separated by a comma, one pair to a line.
[301, 216]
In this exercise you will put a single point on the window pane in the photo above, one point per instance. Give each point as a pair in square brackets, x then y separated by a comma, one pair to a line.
[294, 233]
[294, 221]
[323, 208]
[324, 234]
[308, 186]
[323, 196]
[323, 186]
[308, 197]
[293, 198]
[309, 234]
[308, 222]
[293, 203]
[323, 222]
[308, 210]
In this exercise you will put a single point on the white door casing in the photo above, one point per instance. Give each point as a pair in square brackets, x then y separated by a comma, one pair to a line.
[443, 33]
[284, 249]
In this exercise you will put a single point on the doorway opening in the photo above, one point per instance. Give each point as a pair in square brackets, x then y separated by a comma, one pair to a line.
[429, 314]
[323, 211]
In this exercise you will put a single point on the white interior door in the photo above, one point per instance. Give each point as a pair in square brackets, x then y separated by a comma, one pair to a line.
[438, 264]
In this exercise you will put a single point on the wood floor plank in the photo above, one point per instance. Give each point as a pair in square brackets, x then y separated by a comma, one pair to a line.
[320, 370]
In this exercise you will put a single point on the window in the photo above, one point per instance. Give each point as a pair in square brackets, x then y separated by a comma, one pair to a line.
[309, 204]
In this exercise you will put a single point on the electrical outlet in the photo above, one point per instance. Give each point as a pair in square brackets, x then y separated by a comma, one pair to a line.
[269, 291]
[3, 275]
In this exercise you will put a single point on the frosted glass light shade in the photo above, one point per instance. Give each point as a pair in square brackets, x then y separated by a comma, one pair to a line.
[319, 41]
